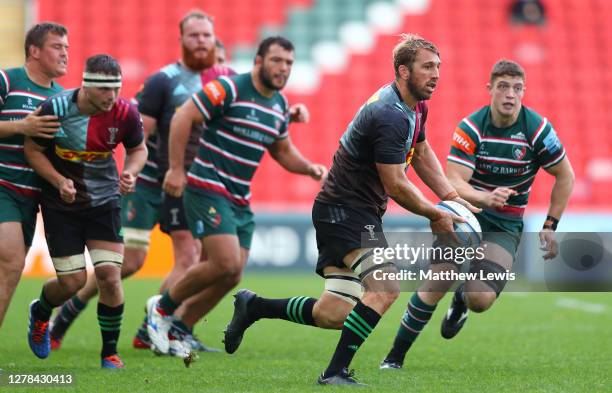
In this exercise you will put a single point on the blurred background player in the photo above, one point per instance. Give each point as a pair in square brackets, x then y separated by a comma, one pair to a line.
[220, 52]
[386, 135]
[81, 198]
[22, 89]
[161, 95]
[495, 155]
[140, 212]
[245, 115]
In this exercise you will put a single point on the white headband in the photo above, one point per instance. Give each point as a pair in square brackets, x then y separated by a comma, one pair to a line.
[101, 80]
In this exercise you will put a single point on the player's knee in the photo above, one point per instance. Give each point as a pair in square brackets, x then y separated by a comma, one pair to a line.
[479, 301]
[12, 259]
[108, 278]
[72, 283]
[383, 298]
[330, 319]
[232, 278]
[131, 267]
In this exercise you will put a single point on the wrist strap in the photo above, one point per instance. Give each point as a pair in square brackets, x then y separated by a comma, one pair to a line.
[450, 196]
[551, 223]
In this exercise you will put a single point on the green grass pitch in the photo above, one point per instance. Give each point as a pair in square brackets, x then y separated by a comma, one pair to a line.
[537, 342]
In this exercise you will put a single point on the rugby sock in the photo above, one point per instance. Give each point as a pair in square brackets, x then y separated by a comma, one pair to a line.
[297, 309]
[182, 326]
[67, 314]
[109, 319]
[43, 309]
[166, 305]
[358, 326]
[142, 329]
[414, 320]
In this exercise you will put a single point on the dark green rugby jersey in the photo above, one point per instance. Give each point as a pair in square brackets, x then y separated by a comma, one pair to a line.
[506, 157]
[19, 96]
[240, 125]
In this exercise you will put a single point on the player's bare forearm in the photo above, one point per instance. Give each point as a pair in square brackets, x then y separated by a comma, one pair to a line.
[180, 127]
[289, 157]
[562, 189]
[148, 125]
[37, 159]
[8, 128]
[458, 176]
[402, 191]
[428, 168]
[135, 159]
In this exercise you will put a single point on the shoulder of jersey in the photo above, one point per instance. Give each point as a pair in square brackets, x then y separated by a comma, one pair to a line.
[170, 70]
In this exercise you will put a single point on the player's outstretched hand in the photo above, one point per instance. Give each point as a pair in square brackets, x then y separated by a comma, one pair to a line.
[548, 243]
[498, 197]
[174, 182]
[467, 204]
[127, 183]
[67, 190]
[317, 171]
[34, 125]
[298, 113]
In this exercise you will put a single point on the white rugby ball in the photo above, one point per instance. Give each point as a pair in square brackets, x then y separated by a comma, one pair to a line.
[469, 232]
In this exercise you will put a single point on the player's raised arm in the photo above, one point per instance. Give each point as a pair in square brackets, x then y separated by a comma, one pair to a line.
[175, 179]
[290, 158]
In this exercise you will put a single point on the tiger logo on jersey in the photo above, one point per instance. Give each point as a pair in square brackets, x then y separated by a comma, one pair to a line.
[519, 152]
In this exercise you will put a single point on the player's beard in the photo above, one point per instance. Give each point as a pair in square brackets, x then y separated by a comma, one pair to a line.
[266, 79]
[415, 91]
[198, 63]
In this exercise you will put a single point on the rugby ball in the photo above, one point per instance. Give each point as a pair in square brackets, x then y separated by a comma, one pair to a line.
[469, 232]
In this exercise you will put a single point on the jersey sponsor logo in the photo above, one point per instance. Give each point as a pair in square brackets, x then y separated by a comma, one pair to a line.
[552, 142]
[77, 156]
[519, 152]
[112, 135]
[253, 116]
[519, 136]
[277, 107]
[215, 92]
[463, 142]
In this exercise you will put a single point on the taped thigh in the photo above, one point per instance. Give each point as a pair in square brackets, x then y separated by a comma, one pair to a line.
[105, 258]
[346, 286]
[484, 267]
[69, 265]
[137, 238]
[364, 264]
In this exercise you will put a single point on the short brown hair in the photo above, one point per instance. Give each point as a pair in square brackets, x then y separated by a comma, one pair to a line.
[505, 67]
[406, 50]
[195, 14]
[38, 34]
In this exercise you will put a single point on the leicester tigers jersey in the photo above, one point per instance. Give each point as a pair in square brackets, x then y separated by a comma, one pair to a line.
[506, 157]
[240, 125]
[19, 96]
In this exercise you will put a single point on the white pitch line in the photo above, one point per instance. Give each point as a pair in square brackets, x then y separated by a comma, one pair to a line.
[575, 304]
